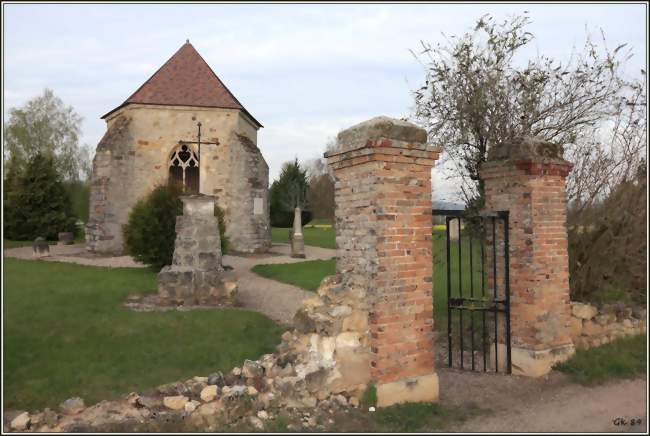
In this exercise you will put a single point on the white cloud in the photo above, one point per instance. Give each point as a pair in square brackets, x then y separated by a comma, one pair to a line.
[305, 71]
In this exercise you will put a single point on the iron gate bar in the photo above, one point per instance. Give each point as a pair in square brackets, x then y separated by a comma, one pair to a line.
[471, 293]
[479, 303]
[506, 242]
[448, 243]
[460, 291]
[494, 278]
[483, 294]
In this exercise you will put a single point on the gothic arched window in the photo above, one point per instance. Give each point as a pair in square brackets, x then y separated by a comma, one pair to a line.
[184, 169]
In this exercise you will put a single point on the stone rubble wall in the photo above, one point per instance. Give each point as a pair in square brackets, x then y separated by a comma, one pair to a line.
[592, 326]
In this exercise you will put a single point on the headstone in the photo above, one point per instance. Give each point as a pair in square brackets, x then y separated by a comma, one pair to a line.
[196, 276]
[40, 247]
[297, 241]
[66, 238]
[454, 229]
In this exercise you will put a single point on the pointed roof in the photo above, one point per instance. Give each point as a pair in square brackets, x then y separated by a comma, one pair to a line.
[185, 80]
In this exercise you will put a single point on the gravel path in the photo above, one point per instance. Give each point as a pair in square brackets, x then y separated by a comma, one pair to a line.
[75, 254]
[546, 404]
[276, 300]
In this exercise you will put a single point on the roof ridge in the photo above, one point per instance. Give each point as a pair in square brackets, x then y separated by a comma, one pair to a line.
[183, 80]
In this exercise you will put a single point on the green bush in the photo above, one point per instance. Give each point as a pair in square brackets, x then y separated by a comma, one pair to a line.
[150, 233]
[36, 202]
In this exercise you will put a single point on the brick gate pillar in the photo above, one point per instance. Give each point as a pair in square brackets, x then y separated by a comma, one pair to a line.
[527, 177]
[382, 169]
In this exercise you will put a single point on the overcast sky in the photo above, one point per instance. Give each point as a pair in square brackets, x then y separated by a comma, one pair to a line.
[304, 71]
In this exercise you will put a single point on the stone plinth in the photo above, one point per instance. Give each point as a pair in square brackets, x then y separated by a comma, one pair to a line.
[382, 171]
[196, 275]
[527, 177]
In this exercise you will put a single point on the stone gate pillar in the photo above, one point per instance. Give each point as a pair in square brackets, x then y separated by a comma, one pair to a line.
[382, 169]
[527, 177]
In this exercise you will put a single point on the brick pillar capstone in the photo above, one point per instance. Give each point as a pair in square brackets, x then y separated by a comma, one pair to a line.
[527, 177]
[382, 169]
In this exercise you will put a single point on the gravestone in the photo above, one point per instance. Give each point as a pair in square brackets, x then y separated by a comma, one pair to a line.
[40, 247]
[197, 276]
[66, 238]
[297, 241]
[454, 229]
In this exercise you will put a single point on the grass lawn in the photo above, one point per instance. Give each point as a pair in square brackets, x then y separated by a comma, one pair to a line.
[66, 334]
[621, 358]
[315, 236]
[306, 275]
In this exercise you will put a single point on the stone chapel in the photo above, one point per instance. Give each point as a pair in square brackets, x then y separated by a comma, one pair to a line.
[153, 138]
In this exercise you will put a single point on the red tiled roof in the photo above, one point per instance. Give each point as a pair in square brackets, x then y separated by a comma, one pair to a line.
[185, 80]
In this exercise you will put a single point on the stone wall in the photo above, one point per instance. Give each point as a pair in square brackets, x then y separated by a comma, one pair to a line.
[592, 326]
[527, 177]
[133, 157]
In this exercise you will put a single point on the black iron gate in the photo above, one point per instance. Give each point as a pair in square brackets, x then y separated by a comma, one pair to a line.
[478, 291]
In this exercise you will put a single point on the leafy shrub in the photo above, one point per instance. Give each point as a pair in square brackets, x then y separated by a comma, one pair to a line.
[150, 233]
[37, 203]
[607, 247]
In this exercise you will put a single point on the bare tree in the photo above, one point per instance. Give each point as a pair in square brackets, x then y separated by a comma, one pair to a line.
[476, 95]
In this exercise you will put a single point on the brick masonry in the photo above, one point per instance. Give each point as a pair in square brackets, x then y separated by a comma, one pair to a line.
[382, 170]
[527, 177]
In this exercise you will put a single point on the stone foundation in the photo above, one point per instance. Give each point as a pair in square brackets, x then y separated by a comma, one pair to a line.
[196, 276]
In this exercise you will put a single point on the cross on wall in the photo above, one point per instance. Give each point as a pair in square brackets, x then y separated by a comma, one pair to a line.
[198, 143]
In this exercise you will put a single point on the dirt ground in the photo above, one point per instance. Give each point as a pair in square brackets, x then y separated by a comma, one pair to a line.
[547, 404]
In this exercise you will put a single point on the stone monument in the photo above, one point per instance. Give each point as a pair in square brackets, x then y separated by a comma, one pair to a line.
[297, 241]
[197, 276]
